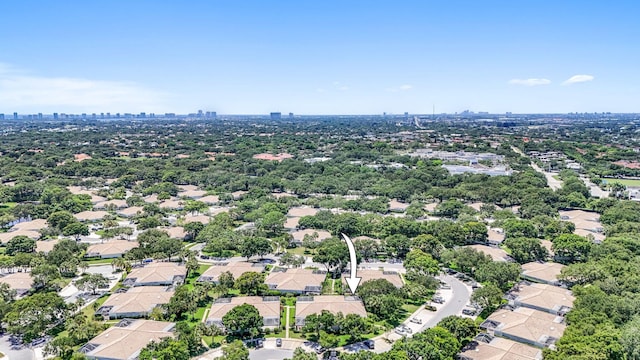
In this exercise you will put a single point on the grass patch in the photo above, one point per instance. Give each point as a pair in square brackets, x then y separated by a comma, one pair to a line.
[98, 261]
[90, 310]
[625, 182]
[300, 250]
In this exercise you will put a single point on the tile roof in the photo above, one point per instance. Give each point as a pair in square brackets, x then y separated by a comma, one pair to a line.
[137, 300]
[111, 248]
[306, 306]
[235, 268]
[298, 280]
[157, 272]
[268, 307]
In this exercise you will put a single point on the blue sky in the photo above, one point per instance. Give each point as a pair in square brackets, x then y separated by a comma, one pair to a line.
[319, 57]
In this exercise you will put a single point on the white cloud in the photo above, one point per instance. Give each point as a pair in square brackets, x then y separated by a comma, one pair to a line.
[405, 87]
[23, 91]
[530, 82]
[578, 79]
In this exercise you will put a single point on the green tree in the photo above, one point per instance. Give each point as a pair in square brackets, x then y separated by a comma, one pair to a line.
[235, 351]
[243, 320]
[501, 273]
[166, 349]
[61, 219]
[421, 262]
[488, 297]
[570, 248]
[464, 329]
[34, 315]
[92, 282]
[21, 244]
[251, 283]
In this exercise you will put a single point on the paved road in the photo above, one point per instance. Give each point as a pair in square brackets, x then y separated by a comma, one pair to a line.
[24, 354]
[553, 183]
[594, 189]
[270, 354]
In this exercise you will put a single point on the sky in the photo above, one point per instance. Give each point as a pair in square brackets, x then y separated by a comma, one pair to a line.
[319, 57]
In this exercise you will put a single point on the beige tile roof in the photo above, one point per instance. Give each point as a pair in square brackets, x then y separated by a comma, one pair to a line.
[295, 280]
[194, 194]
[210, 199]
[431, 207]
[157, 272]
[171, 204]
[495, 235]
[476, 205]
[291, 223]
[529, 324]
[301, 211]
[367, 275]
[90, 215]
[45, 246]
[119, 204]
[123, 343]
[299, 235]
[547, 271]
[586, 223]
[267, 309]
[396, 205]
[235, 268]
[36, 224]
[20, 281]
[543, 296]
[197, 218]
[176, 232]
[111, 248]
[332, 303]
[151, 198]
[5, 237]
[137, 300]
[238, 194]
[187, 187]
[497, 254]
[130, 211]
[502, 349]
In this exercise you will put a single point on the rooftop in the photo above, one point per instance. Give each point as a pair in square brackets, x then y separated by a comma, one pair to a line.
[496, 253]
[543, 271]
[90, 215]
[366, 275]
[307, 305]
[298, 280]
[542, 296]
[20, 281]
[235, 268]
[157, 272]
[268, 307]
[500, 349]
[299, 235]
[527, 324]
[126, 339]
[137, 300]
[302, 211]
[111, 248]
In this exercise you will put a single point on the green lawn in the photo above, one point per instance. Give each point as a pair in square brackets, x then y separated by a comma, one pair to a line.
[99, 261]
[300, 250]
[90, 310]
[625, 182]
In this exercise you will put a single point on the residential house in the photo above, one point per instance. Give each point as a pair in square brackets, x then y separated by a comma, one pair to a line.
[307, 305]
[525, 325]
[7, 236]
[298, 280]
[130, 211]
[496, 253]
[135, 302]
[156, 274]
[552, 299]
[126, 339]
[117, 203]
[298, 236]
[487, 347]
[542, 272]
[91, 216]
[367, 275]
[21, 282]
[110, 249]
[235, 268]
[267, 306]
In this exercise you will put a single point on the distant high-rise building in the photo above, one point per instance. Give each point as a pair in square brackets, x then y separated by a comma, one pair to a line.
[15, 116]
[276, 116]
[55, 116]
[39, 116]
[384, 114]
[406, 115]
[1, 116]
[200, 114]
[290, 115]
[143, 115]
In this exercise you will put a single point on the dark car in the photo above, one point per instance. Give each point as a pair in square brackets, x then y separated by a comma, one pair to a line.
[370, 344]
[278, 342]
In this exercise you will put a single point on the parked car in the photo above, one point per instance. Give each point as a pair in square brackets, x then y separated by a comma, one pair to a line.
[469, 312]
[438, 299]
[416, 321]
[370, 344]
[278, 342]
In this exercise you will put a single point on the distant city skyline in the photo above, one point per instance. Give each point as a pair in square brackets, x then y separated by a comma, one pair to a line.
[319, 58]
